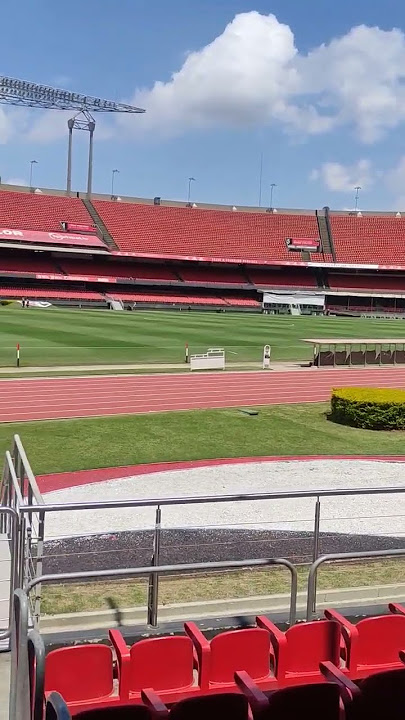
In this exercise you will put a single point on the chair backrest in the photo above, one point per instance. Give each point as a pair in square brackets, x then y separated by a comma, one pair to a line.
[164, 663]
[382, 696]
[310, 643]
[236, 650]
[380, 639]
[318, 702]
[226, 706]
[82, 672]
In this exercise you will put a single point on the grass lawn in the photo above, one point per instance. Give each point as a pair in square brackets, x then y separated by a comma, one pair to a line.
[70, 445]
[79, 337]
[241, 584]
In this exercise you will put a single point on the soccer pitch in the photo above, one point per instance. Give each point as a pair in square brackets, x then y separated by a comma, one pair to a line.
[54, 337]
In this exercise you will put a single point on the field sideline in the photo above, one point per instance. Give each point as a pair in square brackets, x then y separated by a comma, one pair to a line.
[55, 336]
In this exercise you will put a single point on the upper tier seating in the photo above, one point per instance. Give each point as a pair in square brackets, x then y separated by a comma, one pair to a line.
[27, 211]
[369, 239]
[206, 233]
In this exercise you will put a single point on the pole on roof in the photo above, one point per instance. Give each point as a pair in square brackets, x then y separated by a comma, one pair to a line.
[92, 126]
[69, 164]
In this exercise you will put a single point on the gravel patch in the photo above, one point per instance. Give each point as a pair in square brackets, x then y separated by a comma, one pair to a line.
[378, 515]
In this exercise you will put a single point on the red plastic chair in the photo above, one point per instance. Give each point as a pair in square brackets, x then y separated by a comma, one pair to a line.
[83, 675]
[298, 651]
[164, 664]
[372, 645]
[381, 696]
[225, 706]
[318, 701]
[228, 652]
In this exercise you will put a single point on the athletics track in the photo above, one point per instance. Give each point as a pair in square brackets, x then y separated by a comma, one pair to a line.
[95, 396]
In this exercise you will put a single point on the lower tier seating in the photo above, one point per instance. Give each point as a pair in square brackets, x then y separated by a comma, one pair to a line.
[188, 669]
[48, 294]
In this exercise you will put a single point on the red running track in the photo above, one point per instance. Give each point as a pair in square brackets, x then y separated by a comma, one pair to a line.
[48, 399]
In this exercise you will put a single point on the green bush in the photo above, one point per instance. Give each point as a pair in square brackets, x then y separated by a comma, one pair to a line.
[6, 302]
[369, 408]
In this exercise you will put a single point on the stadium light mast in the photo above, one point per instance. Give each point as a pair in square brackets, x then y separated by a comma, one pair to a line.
[356, 197]
[272, 186]
[190, 180]
[32, 163]
[28, 94]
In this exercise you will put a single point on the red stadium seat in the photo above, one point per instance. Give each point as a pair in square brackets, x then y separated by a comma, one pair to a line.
[298, 651]
[368, 239]
[318, 701]
[373, 644]
[28, 211]
[180, 231]
[83, 675]
[229, 652]
[164, 664]
[226, 706]
[380, 696]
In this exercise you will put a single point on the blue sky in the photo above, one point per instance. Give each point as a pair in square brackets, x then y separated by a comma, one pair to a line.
[317, 86]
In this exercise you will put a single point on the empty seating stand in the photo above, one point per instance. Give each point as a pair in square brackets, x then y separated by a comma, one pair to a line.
[184, 231]
[369, 239]
[28, 211]
[49, 294]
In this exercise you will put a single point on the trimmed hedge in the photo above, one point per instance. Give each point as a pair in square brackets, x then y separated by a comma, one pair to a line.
[369, 408]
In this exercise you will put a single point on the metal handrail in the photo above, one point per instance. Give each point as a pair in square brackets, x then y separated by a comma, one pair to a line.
[197, 499]
[13, 516]
[360, 555]
[14, 478]
[177, 569]
[19, 703]
[28, 470]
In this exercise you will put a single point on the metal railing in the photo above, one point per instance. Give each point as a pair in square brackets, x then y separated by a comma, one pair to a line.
[177, 570]
[18, 490]
[9, 518]
[335, 557]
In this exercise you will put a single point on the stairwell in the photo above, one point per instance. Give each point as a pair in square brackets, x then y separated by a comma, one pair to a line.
[325, 233]
[101, 227]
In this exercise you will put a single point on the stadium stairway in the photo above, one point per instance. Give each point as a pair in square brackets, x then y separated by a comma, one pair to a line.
[325, 233]
[105, 234]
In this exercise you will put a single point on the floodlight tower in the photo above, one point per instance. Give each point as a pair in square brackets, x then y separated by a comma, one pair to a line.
[28, 94]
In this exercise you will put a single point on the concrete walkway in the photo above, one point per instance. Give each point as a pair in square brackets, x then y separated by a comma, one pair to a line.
[135, 367]
[4, 684]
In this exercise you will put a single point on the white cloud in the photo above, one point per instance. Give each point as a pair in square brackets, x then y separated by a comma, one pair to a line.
[344, 178]
[242, 77]
[253, 74]
[15, 181]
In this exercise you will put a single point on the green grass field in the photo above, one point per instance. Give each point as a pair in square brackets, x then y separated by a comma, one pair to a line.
[287, 430]
[78, 337]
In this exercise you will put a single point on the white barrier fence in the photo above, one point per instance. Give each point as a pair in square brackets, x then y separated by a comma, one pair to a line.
[213, 359]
